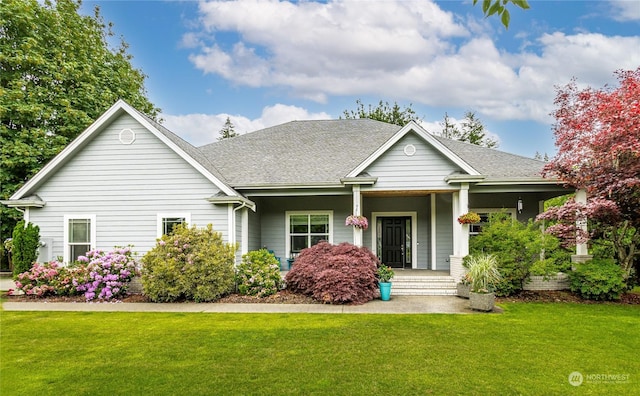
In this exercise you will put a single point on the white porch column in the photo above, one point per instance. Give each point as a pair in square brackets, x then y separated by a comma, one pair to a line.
[357, 210]
[463, 228]
[460, 205]
[582, 253]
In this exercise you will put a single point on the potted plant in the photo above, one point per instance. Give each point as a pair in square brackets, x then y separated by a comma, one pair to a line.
[464, 286]
[385, 273]
[483, 270]
[357, 221]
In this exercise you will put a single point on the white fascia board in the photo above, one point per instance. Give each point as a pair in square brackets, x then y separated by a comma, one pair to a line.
[69, 149]
[413, 126]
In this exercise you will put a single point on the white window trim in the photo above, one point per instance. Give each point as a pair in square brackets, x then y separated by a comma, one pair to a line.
[287, 225]
[91, 217]
[161, 216]
[512, 211]
[414, 232]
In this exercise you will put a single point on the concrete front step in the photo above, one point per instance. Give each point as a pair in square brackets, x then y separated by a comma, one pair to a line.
[416, 285]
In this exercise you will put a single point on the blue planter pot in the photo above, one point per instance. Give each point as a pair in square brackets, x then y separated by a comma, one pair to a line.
[385, 290]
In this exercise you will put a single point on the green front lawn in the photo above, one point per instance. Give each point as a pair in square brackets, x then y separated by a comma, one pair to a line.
[529, 349]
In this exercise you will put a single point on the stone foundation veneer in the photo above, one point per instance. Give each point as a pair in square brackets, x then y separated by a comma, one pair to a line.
[456, 270]
[581, 258]
[557, 282]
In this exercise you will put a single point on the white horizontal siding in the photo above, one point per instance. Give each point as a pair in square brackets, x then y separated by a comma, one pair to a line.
[126, 186]
[425, 170]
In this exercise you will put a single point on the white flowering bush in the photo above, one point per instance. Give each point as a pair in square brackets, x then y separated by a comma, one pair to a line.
[259, 274]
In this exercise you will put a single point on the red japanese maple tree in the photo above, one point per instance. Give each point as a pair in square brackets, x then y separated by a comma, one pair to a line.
[598, 139]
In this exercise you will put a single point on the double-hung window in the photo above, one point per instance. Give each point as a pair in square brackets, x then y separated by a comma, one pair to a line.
[166, 222]
[79, 236]
[305, 229]
[485, 218]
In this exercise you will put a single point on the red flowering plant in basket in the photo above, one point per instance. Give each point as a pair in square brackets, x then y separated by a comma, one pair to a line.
[469, 218]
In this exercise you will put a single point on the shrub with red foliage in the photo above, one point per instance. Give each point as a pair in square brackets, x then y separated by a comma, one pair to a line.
[335, 274]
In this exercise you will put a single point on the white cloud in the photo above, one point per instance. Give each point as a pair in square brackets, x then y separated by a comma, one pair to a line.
[625, 10]
[201, 129]
[401, 50]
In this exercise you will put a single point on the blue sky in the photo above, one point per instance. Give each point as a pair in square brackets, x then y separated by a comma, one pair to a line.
[262, 63]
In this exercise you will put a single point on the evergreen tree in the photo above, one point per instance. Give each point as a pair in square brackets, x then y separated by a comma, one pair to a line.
[25, 243]
[383, 112]
[471, 131]
[227, 130]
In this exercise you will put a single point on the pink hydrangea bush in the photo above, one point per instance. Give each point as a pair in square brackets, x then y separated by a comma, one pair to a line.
[108, 274]
[99, 275]
[37, 281]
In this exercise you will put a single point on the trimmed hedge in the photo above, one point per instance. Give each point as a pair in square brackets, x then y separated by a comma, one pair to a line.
[24, 247]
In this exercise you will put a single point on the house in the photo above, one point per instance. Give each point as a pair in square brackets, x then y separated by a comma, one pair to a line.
[127, 180]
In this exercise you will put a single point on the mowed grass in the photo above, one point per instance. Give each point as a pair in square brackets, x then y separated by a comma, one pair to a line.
[529, 349]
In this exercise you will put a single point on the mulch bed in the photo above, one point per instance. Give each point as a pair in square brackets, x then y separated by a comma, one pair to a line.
[565, 296]
[282, 297]
[287, 297]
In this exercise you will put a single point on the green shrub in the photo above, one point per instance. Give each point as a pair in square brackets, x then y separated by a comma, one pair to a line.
[517, 248]
[24, 247]
[600, 279]
[259, 274]
[191, 263]
[335, 274]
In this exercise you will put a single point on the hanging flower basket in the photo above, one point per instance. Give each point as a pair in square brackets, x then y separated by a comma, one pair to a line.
[469, 218]
[357, 221]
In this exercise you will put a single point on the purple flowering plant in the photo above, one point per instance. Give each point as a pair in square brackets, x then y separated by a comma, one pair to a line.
[108, 273]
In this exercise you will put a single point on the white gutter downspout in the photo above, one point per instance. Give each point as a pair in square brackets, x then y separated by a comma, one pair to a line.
[232, 226]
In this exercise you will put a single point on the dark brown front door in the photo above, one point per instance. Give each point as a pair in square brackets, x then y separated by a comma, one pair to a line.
[394, 240]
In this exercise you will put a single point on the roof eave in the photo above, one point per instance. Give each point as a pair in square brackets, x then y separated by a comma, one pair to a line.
[216, 200]
[287, 186]
[23, 203]
[464, 179]
[359, 180]
[500, 181]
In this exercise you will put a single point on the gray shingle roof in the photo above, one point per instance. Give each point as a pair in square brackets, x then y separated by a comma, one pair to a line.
[324, 151]
[492, 163]
[298, 152]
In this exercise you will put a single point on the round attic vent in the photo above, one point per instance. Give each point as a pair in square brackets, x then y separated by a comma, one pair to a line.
[127, 136]
[409, 150]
